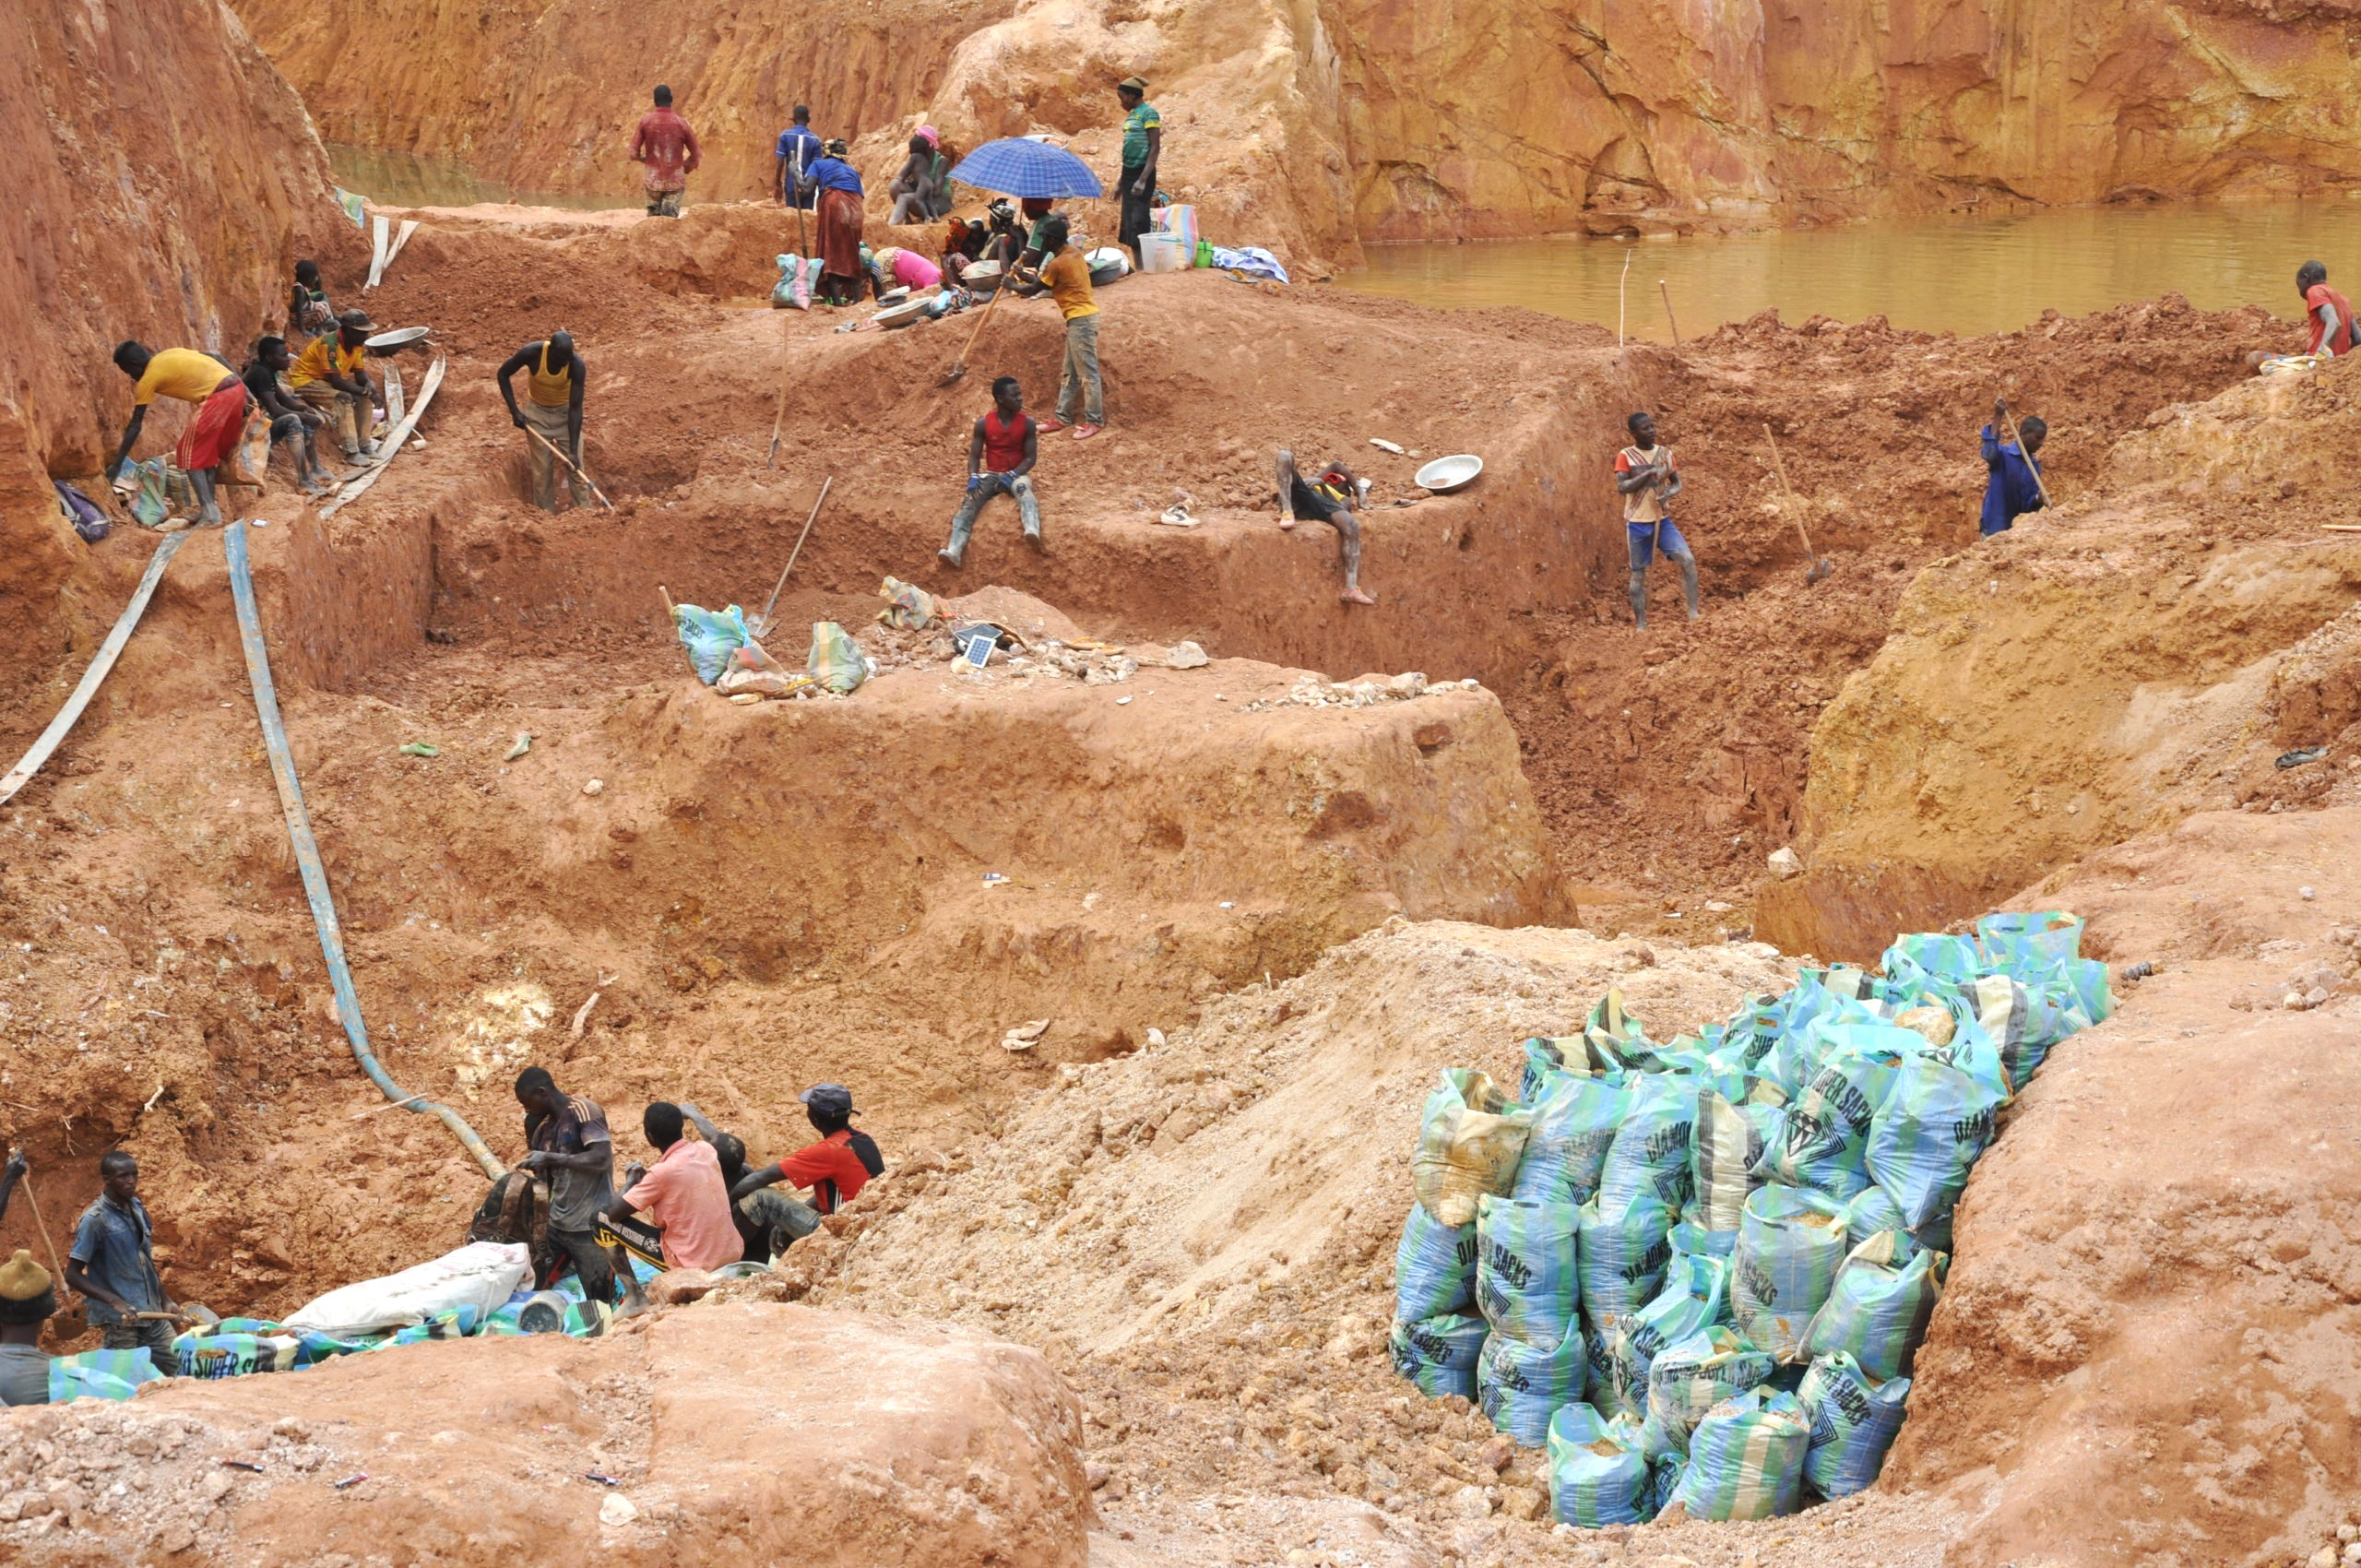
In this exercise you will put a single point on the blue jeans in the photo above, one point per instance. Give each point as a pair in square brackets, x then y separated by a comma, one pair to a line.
[1644, 540]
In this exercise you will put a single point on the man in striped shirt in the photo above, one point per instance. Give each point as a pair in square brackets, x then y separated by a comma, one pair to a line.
[571, 1149]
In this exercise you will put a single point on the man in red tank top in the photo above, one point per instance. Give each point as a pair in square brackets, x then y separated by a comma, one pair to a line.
[1000, 461]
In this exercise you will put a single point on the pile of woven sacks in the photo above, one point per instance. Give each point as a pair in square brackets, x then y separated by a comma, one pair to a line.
[1698, 1271]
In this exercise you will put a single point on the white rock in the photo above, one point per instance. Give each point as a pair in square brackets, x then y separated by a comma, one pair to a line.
[596, 787]
[617, 1510]
[1469, 1503]
[1785, 862]
[1409, 684]
[1186, 656]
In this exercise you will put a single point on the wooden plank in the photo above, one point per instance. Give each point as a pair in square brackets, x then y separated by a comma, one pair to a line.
[109, 651]
[394, 440]
[377, 252]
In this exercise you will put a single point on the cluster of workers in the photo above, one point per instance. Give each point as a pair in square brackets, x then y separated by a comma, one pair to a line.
[697, 1207]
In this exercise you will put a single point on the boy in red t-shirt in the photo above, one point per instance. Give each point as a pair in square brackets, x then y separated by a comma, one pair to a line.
[2330, 318]
[834, 1169]
[1001, 450]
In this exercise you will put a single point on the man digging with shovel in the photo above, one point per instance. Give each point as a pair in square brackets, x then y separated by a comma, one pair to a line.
[551, 412]
[1648, 476]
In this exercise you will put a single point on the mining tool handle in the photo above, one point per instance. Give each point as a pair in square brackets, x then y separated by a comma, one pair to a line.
[1794, 509]
[959, 366]
[2011, 420]
[780, 586]
[56, 1269]
[570, 463]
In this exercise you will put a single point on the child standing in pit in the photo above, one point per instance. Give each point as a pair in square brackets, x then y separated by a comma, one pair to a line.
[1648, 476]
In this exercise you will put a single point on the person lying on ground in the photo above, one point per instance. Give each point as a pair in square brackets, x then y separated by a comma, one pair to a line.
[112, 1266]
[898, 266]
[922, 191]
[2334, 331]
[1329, 499]
[551, 412]
[837, 216]
[1143, 145]
[332, 375]
[799, 149]
[1066, 275]
[1000, 453]
[688, 1207]
[571, 1148]
[1648, 477]
[308, 311]
[211, 436]
[2014, 489]
[291, 423]
[768, 1221]
[664, 143]
[834, 1169]
[28, 1301]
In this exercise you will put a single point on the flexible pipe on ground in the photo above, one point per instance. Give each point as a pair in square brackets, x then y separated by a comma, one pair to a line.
[307, 856]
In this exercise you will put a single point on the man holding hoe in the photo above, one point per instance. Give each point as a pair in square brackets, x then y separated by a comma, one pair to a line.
[552, 415]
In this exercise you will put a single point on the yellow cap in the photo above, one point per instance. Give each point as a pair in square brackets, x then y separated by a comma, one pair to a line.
[21, 1279]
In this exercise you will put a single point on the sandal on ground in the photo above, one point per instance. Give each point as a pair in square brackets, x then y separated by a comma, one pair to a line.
[1357, 596]
[1286, 522]
[1049, 426]
[1084, 432]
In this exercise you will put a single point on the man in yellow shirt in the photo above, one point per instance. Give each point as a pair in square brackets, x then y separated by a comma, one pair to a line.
[330, 376]
[1067, 276]
[218, 396]
[554, 375]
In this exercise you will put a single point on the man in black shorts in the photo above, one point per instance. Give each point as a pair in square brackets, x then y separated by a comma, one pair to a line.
[1329, 498]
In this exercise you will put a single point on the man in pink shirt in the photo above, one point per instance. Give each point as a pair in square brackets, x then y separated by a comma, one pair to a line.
[668, 147]
[684, 1199]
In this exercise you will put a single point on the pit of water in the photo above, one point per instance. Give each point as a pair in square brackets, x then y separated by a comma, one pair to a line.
[402, 179]
[1948, 274]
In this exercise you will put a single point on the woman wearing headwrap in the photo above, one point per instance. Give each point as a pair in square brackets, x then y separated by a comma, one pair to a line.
[843, 278]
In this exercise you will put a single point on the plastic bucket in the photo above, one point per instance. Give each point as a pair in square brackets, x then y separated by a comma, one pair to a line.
[1165, 253]
[543, 1312]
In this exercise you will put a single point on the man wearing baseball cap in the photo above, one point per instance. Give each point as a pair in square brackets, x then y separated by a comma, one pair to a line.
[835, 1167]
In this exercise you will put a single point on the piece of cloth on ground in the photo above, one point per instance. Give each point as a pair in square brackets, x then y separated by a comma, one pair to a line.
[1249, 264]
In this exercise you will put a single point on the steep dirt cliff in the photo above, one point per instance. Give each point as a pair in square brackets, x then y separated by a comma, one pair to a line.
[163, 163]
[1315, 125]
[2147, 652]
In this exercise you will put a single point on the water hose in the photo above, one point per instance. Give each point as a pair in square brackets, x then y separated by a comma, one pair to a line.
[307, 856]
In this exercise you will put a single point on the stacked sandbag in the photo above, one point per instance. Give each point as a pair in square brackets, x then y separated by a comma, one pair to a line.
[1700, 1270]
[1746, 1458]
[1789, 1247]
[1526, 1288]
[1597, 1475]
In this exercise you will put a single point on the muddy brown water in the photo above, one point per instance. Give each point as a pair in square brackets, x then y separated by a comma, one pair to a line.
[1948, 274]
[402, 179]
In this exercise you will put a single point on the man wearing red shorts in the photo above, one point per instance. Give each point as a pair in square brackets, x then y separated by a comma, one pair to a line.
[213, 431]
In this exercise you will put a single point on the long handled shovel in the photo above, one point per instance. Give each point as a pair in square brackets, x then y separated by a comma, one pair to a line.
[786, 369]
[959, 366]
[763, 626]
[569, 463]
[1819, 565]
[2039, 488]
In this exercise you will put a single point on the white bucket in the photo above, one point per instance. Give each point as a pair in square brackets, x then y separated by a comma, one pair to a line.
[1165, 253]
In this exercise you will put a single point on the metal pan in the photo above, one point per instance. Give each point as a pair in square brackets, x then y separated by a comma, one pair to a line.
[1446, 474]
[399, 337]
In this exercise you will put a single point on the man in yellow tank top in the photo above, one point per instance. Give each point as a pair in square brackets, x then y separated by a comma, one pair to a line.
[552, 411]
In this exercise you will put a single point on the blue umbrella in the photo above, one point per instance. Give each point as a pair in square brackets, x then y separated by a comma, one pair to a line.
[1015, 166]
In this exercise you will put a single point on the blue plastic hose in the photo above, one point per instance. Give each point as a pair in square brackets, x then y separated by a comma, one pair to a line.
[307, 856]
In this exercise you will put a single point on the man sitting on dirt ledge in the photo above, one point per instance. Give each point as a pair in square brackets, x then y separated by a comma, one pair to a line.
[331, 374]
[768, 1222]
[688, 1223]
[1329, 498]
[834, 1169]
[112, 1265]
[554, 379]
[1001, 452]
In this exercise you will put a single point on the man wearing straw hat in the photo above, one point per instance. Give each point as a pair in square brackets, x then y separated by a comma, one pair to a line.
[28, 1300]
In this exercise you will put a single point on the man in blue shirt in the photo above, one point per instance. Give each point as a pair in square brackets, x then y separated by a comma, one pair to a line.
[799, 149]
[114, 1265]
[2016, 485]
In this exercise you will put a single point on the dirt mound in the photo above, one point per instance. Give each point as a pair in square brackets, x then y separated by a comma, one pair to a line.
[2154, 1283]
[867, 1443]
[2128, 655]
[1313, 129]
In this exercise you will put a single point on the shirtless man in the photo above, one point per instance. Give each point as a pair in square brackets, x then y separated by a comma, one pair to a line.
[1330, 499]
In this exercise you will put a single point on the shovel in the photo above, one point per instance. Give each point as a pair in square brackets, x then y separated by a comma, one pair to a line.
[569, 463]
[761, 625]
[1819, 565]
[959, 366]
[2039, 488]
